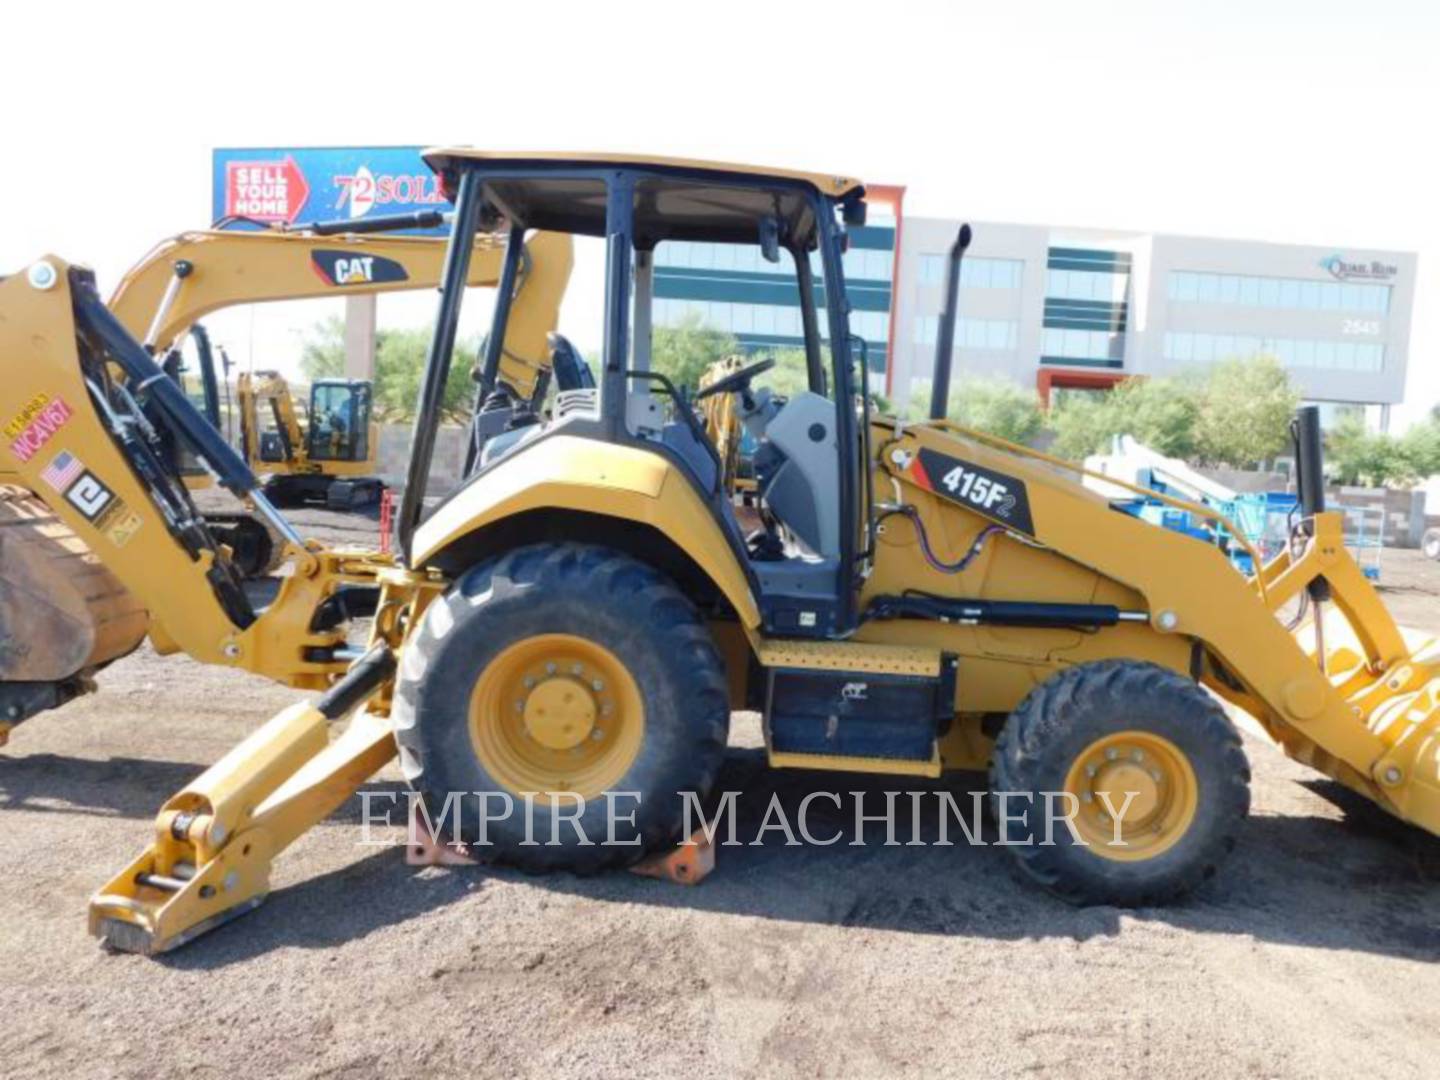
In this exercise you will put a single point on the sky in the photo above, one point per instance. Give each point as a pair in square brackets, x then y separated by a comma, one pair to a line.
[1308, 122]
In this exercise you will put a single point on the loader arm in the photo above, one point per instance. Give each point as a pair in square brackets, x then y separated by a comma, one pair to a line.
[1363, 711]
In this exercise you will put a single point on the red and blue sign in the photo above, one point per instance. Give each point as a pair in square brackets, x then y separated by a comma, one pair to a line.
[254, 187]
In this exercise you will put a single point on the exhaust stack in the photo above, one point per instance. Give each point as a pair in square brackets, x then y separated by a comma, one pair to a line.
[945, 339]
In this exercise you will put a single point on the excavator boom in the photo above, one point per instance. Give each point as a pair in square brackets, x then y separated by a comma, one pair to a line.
[189, 276]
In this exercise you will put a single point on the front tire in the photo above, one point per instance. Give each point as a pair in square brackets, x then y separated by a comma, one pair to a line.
[1096, 732]
[563, 668]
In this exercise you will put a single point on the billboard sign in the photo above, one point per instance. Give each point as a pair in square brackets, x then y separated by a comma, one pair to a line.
[258, 186]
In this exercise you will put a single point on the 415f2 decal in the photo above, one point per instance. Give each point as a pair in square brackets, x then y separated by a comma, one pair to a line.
[993, 494]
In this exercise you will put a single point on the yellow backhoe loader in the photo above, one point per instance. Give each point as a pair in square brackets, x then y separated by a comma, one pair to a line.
[582, 614]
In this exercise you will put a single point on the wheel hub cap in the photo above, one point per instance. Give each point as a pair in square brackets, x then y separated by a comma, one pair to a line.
[1115, 783]
[556, 713]
[560, 713]
[1149, 771]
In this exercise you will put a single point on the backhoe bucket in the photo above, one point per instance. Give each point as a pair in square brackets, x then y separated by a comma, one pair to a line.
[63, 615]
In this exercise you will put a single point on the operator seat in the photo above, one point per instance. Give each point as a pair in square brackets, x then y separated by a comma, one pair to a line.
[574, 391]
[798, 470]
[571, 370]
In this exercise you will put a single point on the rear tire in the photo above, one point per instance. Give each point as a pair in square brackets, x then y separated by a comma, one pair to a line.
[562, 667]
[1099, 730]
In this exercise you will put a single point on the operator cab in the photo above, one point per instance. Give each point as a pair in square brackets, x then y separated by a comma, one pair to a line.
[339, 420]
[795, 396]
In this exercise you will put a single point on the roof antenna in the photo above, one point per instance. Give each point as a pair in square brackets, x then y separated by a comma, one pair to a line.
[945, 343]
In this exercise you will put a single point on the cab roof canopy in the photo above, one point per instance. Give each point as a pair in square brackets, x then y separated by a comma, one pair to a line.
[676, 199]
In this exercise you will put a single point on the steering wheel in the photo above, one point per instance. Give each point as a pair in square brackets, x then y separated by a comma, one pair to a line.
[736, 381]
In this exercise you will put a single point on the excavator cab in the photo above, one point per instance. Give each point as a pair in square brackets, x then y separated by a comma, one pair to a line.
[340, 420]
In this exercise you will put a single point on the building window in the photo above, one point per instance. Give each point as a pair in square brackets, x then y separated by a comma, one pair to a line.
[1086, 347]
[1187, 286]
[868, 264]
[1299, 353]
[975, 272]
[1101, 285]
[994, 335]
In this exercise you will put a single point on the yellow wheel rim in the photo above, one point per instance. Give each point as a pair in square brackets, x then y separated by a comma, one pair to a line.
[556, 713]
[1161, 809]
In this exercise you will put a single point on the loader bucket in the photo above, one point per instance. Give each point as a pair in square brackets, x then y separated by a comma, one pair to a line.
[63, 615]
[1399, 702]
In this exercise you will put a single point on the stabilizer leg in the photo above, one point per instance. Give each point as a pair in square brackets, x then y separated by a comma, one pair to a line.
[216, 839]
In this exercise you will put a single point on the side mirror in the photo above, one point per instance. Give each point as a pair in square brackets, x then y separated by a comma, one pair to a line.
[770, 238]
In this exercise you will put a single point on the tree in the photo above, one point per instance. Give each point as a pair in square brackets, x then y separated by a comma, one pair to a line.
[322, 352]
[1085, 424]
[683, 352]
[1420, 446]
[399, 363]
[997, 407]
[1161, 413]
[1245, 412]
[1358, 456]
[993, 405]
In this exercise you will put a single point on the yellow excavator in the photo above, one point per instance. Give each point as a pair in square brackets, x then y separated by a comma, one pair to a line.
[329, 458]
[578, 619]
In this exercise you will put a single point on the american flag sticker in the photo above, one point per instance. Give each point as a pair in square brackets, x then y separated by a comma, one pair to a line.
[61, 472]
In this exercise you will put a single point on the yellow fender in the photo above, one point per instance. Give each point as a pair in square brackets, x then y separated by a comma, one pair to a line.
[628, 483]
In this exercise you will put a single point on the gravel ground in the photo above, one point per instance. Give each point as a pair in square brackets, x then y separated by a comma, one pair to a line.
[1313, 954]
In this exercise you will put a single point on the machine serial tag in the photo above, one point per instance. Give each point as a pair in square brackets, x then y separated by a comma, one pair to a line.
[989, 493]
